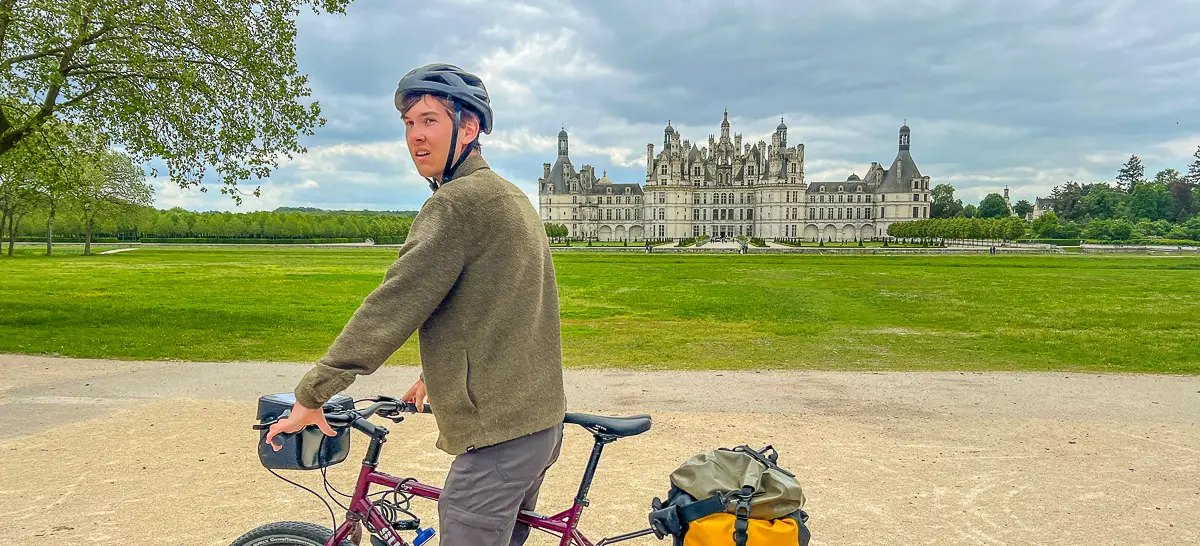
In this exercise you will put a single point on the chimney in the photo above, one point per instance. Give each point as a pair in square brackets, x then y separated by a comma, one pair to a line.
[545, 170]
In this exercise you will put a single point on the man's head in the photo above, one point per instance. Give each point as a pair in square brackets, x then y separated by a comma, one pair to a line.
[444, 109]
[429, 128]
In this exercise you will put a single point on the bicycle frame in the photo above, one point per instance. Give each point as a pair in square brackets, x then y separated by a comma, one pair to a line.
[563, 524]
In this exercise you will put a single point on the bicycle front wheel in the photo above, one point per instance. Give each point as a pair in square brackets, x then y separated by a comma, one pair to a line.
[287, 533]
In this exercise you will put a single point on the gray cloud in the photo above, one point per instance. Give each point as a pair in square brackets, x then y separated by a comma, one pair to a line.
[1025, 93]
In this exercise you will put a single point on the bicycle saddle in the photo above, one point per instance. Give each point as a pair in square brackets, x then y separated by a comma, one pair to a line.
[616, 426]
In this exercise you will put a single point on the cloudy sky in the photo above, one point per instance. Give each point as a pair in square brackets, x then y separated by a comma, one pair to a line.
[1023, 93]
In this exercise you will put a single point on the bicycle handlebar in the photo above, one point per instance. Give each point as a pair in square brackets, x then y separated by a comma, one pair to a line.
[385, 406]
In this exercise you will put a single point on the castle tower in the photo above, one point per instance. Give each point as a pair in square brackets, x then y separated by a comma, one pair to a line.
[725, 127]
[904, 136]
[562, 143]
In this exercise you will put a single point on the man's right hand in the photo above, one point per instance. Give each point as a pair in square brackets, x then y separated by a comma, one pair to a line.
[299, 418]
[416, 395]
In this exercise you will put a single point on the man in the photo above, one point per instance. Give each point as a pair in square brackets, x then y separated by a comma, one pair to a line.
[476, 280]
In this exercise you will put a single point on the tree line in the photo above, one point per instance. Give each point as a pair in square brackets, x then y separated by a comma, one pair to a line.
[1130, 207]
[147, 224]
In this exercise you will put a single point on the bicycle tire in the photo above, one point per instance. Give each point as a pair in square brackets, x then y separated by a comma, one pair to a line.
[287, 533]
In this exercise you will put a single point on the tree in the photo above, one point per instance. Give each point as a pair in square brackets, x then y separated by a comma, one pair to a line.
[199, 83]
[17, 199]
[993, 206]
[1100, 201]
[110, 182]
[944, 204]
[970, 211]
[1150, 201]
[1023, 207]
[1046, 226]
[1068, 200]
[1167, 176]
[1193, 175]
[1130, 174]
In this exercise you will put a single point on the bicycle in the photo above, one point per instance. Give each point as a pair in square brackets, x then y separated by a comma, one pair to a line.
[381, 517]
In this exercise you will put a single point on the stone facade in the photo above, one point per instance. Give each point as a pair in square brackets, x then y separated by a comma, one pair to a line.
[727, 189]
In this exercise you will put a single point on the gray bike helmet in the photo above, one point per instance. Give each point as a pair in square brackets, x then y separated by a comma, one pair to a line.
[463, 89]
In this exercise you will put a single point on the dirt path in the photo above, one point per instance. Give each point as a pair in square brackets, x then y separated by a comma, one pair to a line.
[105, 452]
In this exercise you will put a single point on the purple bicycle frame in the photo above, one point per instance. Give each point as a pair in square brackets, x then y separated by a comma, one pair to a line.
[563, 524]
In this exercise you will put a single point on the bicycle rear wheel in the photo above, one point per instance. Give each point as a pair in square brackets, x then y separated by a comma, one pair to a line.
[287, 533]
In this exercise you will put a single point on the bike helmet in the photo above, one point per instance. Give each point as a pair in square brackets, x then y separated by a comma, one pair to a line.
[452, 82]
[463, 89]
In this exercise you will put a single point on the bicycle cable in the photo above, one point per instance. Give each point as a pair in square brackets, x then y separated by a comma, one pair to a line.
[328, 486]
[315, 494]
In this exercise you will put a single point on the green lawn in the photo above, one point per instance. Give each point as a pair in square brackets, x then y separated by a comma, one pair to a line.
[1075, 312]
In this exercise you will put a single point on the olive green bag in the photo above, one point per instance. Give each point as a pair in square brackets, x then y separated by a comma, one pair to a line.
[735, 496]
[776, 492]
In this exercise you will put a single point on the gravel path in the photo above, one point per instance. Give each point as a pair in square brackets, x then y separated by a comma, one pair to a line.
[162, 453]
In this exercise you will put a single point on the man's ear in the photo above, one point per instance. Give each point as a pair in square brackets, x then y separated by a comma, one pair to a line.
[469, 130]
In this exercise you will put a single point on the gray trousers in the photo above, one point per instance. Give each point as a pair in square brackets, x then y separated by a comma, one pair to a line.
[486, 489]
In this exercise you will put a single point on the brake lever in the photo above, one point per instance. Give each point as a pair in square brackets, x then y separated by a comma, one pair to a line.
[267, 425]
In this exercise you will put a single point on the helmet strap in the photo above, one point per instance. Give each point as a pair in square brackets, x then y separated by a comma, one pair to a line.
[452, 165]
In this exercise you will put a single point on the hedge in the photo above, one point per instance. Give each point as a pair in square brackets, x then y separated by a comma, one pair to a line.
[250, 241]
[58, 239]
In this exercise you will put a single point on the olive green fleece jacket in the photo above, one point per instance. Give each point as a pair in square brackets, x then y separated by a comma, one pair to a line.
[476, 281]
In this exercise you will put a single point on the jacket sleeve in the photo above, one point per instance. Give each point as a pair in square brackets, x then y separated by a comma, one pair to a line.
[428, 265]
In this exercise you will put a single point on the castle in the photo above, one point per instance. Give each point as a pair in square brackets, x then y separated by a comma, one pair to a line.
[728, 188]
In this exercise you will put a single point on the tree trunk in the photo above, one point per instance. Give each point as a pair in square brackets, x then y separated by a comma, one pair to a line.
[87, 242]
[13, 222]
[4, 223]
[50, 231]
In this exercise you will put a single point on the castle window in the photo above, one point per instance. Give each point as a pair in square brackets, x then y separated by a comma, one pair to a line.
[822, 188]
[574, 199]
[841, 188]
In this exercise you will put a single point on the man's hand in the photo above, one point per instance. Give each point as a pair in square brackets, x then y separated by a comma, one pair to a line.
[416, 395]
[299, 418]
